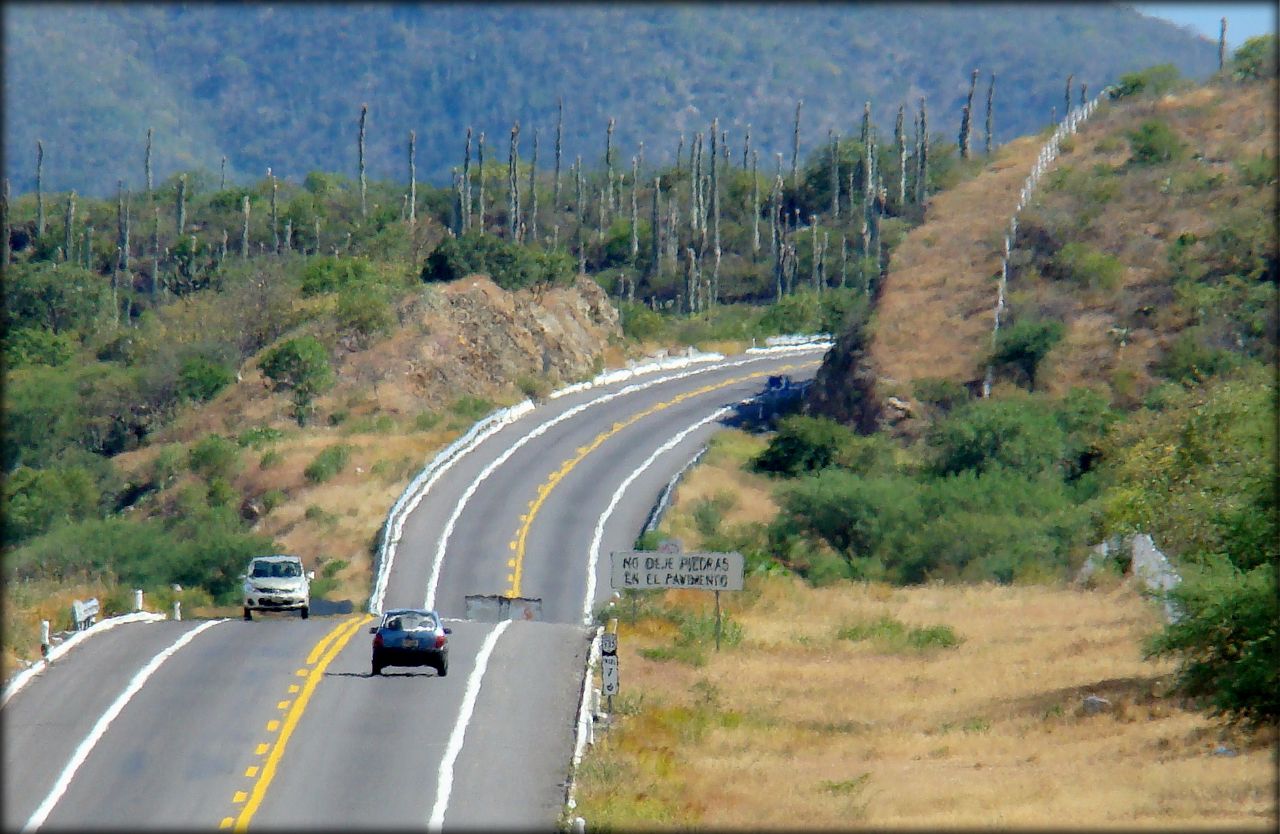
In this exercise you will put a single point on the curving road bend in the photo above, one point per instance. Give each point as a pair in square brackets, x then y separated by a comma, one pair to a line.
[277, 723]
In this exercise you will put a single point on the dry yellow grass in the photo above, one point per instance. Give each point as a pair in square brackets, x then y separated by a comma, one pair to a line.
[796, 728]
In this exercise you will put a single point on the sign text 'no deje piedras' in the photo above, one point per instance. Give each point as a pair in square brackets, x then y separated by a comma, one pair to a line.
[652, 569]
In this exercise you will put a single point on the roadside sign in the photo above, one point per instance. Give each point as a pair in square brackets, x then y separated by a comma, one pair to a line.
[608, 643]
[648, 569]
[609, 672]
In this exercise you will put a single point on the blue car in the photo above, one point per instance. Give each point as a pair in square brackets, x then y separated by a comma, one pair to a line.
[411, 637]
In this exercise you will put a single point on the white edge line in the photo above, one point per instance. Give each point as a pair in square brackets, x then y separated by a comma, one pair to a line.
[617, 497]
[438, 562]
[100, 728]
[584, 719]
[24, 677]
[444, 784]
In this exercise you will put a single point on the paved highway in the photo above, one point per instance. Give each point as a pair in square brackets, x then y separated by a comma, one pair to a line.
[277, 723]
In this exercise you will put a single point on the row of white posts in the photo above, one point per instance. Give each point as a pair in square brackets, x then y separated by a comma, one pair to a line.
[83, 615]
[1048, 155]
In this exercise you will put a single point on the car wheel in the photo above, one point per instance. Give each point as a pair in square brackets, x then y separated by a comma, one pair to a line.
[377, 667]
[442, 667]
[248, 615]
[306, 611]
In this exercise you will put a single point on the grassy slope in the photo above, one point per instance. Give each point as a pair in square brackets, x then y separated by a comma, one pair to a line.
[794, 726]
[936, 312]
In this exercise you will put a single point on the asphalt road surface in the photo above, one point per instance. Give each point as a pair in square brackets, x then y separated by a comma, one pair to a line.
[278, 723]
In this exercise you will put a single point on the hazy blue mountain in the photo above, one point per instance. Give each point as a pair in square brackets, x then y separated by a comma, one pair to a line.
[282, 86]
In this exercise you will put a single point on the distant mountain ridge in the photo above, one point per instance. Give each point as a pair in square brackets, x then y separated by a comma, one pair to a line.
[282, 86]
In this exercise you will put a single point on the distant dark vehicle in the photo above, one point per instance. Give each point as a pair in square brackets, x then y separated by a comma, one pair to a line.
[411, 637]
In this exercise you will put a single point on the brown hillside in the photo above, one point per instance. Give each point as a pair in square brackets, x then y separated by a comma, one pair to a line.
[936, 310]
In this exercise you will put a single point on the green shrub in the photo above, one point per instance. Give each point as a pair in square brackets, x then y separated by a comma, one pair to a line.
[331, 274]
[269, 459]
[891, 634]
[213, 457]
[1025, 343]
[510, 265]
[258, 436]
[1225, 640]
[37, 346]
[533, 387]
[1154, 143]
[1190, 360]
[38, 499]
[301, 366]
[471, 408]
[639, 322]
[804, 444]
[327, 463]
[1086, 266]
[708, 512]
[426, 421]
[273, 498]
[1018, 433]
[201, 378]
[943, 394]
[1154, 81]
[364, 311]
[1255, 59]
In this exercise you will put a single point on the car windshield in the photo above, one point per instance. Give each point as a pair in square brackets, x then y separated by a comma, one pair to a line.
[263, 570]
[410, 621]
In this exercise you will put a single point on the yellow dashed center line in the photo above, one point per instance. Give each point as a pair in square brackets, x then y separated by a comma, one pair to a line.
[544, 490]
[317, 661]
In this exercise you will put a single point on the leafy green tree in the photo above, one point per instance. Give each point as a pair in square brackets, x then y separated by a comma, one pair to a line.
[1226, 640]
[1154, 81]
[302, 367]
[330, 274]
[58, 297]
[364, 310]
[1025, 344]
[38, 499]
[1199, 475]
[26, 346]
[804, 444]
[1255, 60]
[1017, 432]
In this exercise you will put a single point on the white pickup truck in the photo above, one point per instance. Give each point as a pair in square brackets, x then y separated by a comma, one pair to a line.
[277, 583]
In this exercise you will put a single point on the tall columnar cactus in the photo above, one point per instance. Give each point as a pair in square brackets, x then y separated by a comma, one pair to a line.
[456, 213]
[655, 251]
[287, 242]
[900, 137]
[466, 183]
[963, 138]
[364, 204]
[991, 94]
[39, 188]
[122, 227]
[69, 221]
[275, 213]
[635, 230]
[413, 178]
[834, 142]
[480, 164]
[244, 229]
[222, 174]
[755, 205]
[608, 160]
[966, 129]
[5, 228]
[222, 254]
[844, 260]
[922, 172]
[317, 236]
[1084, 94]
[555, 192]
[813, 250]
[513, 187]
[795, 148]
[147, 166]
[679, 152]
[180, 208]
[1066, 111]
[746, 146]
[716, 163]
[1222, 44]
[88, 246]
[601, 205]
[155, 251]
[533, 192]
[695, 177]
[580, 211]
[673, 233]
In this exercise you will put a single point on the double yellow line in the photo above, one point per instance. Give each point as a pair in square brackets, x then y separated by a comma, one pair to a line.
[518, 544]
[317, 662]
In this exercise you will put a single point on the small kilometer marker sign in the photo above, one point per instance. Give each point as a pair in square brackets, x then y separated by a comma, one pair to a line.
[609, 663]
